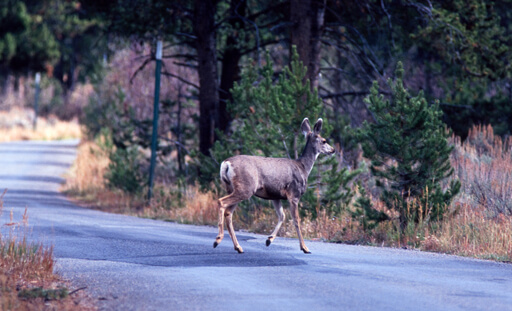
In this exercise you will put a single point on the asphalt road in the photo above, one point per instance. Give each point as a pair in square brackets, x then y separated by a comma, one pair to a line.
[129, 263]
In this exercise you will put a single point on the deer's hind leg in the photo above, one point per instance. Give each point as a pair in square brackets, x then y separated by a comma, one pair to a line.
[220, 236]
[227, 205]
[280, 213]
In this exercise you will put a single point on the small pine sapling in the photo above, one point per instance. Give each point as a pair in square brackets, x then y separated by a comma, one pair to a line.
[409, 152]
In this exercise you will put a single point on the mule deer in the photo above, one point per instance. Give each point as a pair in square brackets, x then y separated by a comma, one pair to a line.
[273, 179]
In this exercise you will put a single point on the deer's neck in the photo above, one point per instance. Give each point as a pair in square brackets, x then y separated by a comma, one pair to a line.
[308, 158]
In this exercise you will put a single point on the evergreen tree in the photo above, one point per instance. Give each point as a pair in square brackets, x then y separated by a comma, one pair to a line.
[409, 153]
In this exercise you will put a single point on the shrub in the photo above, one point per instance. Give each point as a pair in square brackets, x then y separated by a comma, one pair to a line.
[483, 163]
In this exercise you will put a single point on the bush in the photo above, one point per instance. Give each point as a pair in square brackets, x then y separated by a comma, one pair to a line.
[365, 213]
[123, 171]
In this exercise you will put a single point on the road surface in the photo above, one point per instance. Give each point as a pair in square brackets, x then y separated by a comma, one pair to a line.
[129, 263]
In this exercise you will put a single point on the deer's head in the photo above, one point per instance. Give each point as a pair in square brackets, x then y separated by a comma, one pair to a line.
[313, 138]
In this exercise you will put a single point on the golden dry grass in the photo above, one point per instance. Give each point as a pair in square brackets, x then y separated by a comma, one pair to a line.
[196, 207]
[16, 124]
[471, 233]
[85, 182]
[86, 174]
[482, 224]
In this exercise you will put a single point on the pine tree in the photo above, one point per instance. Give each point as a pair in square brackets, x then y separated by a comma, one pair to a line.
[409, 153]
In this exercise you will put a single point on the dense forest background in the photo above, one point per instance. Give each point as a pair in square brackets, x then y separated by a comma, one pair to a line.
[455, 51]
[456, 54]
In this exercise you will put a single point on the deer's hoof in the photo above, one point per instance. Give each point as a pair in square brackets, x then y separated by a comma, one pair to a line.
[239, 250]
[215, 244]
[306, 251]
[268, 242]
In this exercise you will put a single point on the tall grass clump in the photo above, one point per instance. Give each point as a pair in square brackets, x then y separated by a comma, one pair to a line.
[87, 180]
[27, 281]
[470, 232]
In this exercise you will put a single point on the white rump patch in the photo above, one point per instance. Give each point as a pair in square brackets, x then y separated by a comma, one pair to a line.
[226, 171]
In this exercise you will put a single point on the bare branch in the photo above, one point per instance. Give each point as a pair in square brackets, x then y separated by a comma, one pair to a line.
[185, 65]
[147, 61]
[186, 56]
[284, 142]
[343, 94]
[166, 73]
[186, 35]
[457, 106]
[390, 26]
[177, 143]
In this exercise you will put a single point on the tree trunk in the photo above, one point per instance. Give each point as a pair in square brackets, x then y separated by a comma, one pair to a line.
[4, 80]
[204, 30]
[230, 64]
[307, 19]
[317, 25]
[300, 31]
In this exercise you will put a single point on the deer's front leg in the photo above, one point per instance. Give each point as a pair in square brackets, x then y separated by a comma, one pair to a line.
[294, 210]
[280, 213]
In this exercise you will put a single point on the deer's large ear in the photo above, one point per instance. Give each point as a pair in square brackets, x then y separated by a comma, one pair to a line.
[318, 126]
[305, 127]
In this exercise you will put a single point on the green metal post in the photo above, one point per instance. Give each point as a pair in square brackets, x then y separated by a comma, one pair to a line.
[156, 103]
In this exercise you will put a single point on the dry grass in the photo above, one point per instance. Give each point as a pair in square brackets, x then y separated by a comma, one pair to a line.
[86, 174]
[85, 182]
[17, 124]
[184, 206]
[470, 232]
[483, 163]
[482, 224]
[27, 281]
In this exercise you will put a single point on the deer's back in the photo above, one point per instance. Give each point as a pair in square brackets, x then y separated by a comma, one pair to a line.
[268, 178]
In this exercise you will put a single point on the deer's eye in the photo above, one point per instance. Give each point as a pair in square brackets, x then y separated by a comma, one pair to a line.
[324, 141]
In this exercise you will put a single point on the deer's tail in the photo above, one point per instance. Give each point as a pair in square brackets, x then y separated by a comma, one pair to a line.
[226, 173]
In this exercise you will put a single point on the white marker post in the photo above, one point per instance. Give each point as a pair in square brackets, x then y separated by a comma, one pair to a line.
[156, 107]
[36, 98]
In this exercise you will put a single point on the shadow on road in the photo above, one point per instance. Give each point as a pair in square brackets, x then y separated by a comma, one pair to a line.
[41, 163]
[32, 178]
